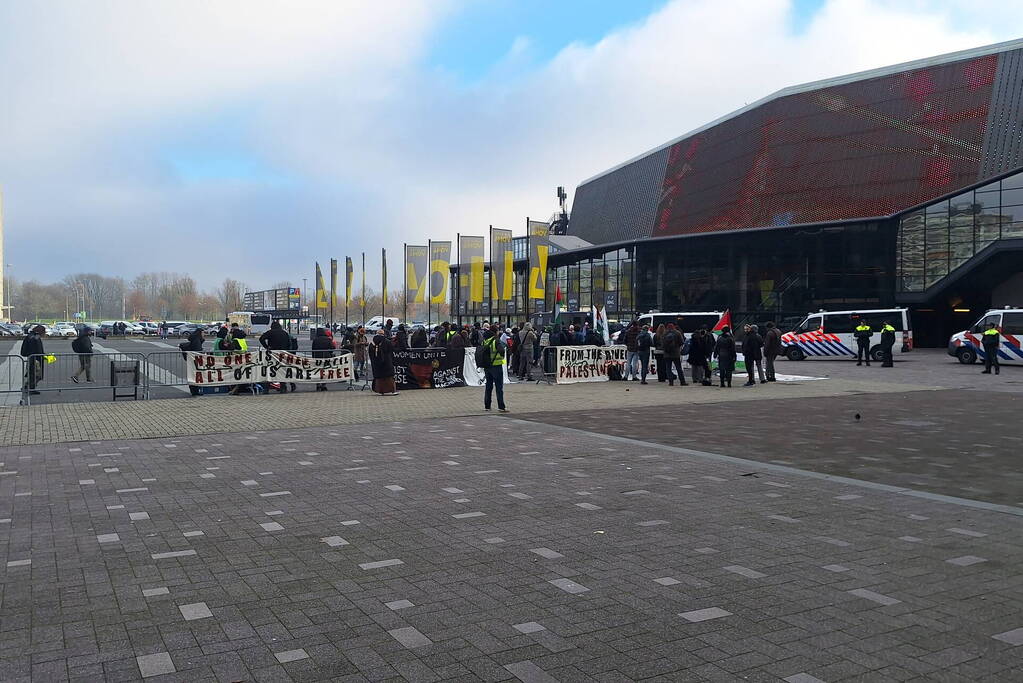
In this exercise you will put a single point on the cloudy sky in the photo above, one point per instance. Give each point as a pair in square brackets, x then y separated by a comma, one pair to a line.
[249, 138]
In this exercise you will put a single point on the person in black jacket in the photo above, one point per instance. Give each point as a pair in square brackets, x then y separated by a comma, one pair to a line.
[724, 351]
[672, 345]
[644, 343]
[401, 338]
[772, 349]
[753, 354]
[32, 349]
[420, 340]
[193, 343]
[700, 350]
[276, 339]
[82, 345]
[323, 347]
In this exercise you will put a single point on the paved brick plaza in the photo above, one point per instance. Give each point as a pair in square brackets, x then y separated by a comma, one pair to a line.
[483, 548]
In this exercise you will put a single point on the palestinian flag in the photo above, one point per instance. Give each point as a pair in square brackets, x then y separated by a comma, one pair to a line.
[559, 303]
[723, 322]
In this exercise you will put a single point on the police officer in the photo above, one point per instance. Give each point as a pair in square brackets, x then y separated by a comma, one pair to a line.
[990, 341]
[863, 334]
[887, 342]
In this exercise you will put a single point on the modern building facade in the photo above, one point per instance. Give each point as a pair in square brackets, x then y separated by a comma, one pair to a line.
[899, 186]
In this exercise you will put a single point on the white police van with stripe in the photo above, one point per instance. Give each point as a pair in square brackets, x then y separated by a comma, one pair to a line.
[830, 333]
[968, 346]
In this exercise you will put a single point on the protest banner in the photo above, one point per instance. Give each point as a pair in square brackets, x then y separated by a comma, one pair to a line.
[588, 363]
[219, 369]
[260, 365]
[428, 368]
[284, 366]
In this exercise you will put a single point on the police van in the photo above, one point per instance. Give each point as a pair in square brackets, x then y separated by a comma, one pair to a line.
[830, 333]
[967, 345]
[687, 321]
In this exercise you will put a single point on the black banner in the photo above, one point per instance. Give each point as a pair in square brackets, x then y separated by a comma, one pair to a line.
[429, 368]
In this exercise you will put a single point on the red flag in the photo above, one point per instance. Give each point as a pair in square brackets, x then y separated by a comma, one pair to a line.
[723, 322]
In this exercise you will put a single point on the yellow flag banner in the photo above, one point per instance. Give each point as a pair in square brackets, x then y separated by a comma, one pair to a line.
[471, 254]
[321, 291]
[417, 265]
[539, 247]
[349, 275]
[440, 267]
[333, 282]
[502, 262]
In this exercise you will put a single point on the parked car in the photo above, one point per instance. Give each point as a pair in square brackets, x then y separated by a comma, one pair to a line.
[64, 330]
[187, 329]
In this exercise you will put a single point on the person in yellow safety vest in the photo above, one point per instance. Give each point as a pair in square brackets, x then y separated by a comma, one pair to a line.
[863, 333]
[990, 340]
[887, 342]
[494, 349]
[446, 333]
[237, 336]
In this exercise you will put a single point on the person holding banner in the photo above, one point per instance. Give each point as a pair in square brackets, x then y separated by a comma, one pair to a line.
[323, 347]
[381, 353]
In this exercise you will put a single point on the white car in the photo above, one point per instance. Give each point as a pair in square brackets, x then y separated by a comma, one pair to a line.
[63, 330]
[968, 346]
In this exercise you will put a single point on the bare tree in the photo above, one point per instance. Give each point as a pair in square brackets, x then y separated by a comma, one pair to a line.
[229, 295]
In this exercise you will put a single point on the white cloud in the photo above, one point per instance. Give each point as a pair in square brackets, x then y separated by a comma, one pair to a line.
[379, 148]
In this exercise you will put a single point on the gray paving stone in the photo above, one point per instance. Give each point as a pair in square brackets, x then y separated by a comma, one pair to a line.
[272, 526]
[380, 564]
[874, 597]
[705, 614]
[569, 586]
[410, 637]
[528, 672]
[156, 664]
[744, 571]
[334, 541]
[195, 610]
[1013, 637]
[108, 538]
[151, 592]
[529, 627]
[966, 560]
[172, 553]
[469, 515]
[398, 604]
[667, 581]
[802, 678]
[291, 656]
[837, 568]
[546, 553]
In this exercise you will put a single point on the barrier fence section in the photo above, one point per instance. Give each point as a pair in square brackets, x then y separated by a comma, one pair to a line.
[93, 371]
[165, 369]
[12, 380]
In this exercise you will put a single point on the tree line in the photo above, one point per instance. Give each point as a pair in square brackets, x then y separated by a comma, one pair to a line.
[171, 296]
[153, 296]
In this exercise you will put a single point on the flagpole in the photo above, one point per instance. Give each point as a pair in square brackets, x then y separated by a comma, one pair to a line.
[458, 280]
[429, 283]
[363, 302]
[347, 288]
[383, 283]
[404, 281]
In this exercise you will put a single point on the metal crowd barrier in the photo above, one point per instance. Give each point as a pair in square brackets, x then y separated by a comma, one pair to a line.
[549, 365]
[94, 371]
[12, 380]
[165, 369]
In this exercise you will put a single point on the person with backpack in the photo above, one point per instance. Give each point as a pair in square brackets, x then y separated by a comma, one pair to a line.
[672, 345]
[82, 345]
[32, 351]
[490, 358]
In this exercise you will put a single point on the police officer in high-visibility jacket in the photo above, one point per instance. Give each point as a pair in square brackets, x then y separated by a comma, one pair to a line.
[887, 342]
[990, 341]
[863, 333]
[495, 350]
